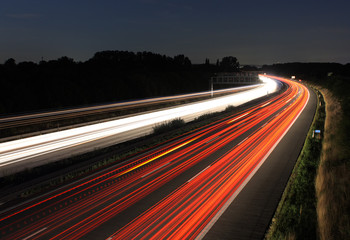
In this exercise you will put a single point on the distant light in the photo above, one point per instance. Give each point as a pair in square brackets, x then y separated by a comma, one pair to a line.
[293, 77]
[299, 80]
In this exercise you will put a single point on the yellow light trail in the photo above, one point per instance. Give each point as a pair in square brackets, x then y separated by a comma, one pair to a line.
[154, 158]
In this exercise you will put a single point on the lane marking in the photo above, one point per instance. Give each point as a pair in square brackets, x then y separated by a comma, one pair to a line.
[212, 139]
[230, 200]
[264, 125]
[198, 174]
[155, 170]
[242, 141]
[265, 104]
[238, 117]
[37, 232]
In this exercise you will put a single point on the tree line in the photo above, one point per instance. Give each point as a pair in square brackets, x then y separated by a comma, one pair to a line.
[320, 71]
[109, 76]
[333, 76]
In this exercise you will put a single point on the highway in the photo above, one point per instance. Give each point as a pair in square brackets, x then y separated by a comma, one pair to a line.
[176, 190]
[29, 152]
[41, 117]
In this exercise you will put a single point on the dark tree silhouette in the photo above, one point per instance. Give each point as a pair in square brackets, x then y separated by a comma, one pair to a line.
[111, 76]
[10, 62]
[229, 64]
[249, 68]
[108, 76]
[181, 60]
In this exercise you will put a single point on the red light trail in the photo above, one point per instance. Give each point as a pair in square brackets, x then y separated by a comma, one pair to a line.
[244, 140]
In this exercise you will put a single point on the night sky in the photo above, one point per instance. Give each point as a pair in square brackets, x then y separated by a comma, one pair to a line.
[256, 32]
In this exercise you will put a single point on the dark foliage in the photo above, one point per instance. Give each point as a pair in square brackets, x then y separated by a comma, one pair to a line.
[168, 126]
[314, 71]
[333, 76]
[229, 64]
[109, 76]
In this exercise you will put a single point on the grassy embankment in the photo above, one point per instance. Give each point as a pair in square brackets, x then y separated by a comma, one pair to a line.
[295, 217]
[327, 193]
[333, 181]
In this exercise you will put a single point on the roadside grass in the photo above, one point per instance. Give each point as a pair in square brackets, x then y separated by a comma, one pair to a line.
[333, 181]
[296, 217]
[168, 126]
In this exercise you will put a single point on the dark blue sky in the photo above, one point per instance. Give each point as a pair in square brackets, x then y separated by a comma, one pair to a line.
[256, 32]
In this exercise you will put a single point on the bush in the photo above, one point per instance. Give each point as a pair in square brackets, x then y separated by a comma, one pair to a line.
[168, 126]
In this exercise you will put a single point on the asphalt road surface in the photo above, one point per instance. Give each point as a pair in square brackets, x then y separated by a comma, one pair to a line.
[207, 184]
[29, 152]
[41, 117]
[249, 215]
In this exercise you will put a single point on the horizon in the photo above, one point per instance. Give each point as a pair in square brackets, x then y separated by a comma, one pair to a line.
[254, 32]
[193, 63]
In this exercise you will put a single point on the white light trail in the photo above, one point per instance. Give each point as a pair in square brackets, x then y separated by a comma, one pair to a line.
[120, 104]
[29, 148]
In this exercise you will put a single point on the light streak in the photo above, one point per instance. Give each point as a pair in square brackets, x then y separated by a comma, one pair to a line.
[33, 147]
[238, 117]
[198, 174]
[196, 204]
[120, 104]
[154, 158]
[37, 232]
[187, 212]
[266, 104]
[165, 164]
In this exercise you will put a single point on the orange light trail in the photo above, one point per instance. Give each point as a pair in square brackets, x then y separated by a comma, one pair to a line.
[79, 208]
[185, 212]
